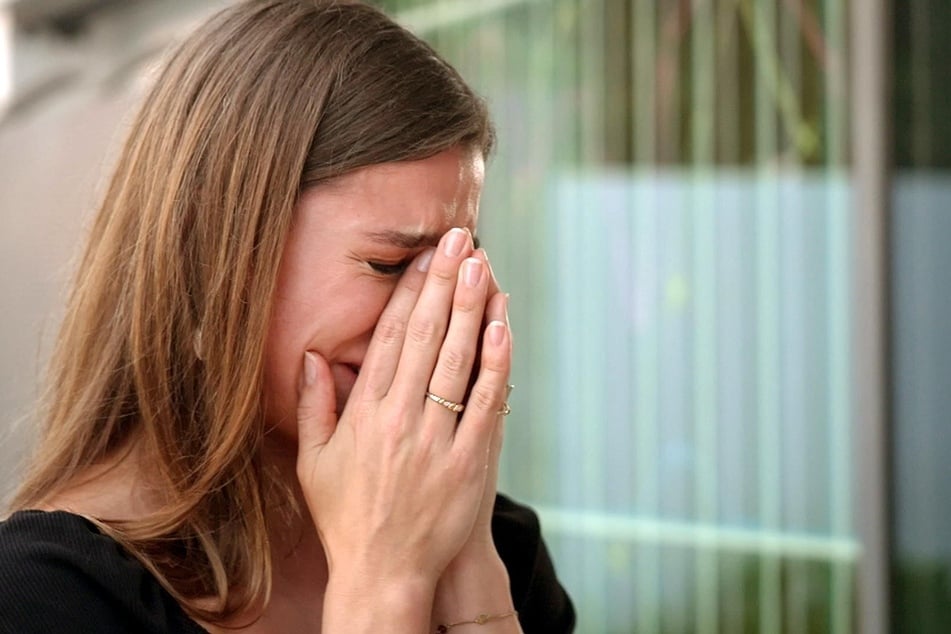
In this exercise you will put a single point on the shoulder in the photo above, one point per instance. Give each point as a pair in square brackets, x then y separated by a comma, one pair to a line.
[59, 573]
[542, 602]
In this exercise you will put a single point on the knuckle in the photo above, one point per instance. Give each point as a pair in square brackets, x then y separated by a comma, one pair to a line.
[423, 331]
[390, 330]
[306, 412]
[464, 468]
[413, 280]
[363, 410]
[484, 399]
[456, 362]
[465, 305]
[427, 441]
[391, 424]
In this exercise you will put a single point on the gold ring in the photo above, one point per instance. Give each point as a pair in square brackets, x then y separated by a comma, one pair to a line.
[450, 405]
[506, 410]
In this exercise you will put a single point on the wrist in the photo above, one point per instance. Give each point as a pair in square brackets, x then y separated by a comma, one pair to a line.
[476, 556]
[363, 602]
[472, 585]
[475, 561]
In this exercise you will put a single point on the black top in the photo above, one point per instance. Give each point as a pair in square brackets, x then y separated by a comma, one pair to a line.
[58, 573]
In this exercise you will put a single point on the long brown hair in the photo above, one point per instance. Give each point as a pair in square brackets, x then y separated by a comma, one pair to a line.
[162, 344]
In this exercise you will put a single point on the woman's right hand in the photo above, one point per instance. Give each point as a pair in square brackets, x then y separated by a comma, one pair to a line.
[394, 487]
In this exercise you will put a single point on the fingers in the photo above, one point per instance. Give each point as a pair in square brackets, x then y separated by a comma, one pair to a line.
[444, 478]
[493, 282]
[428, 337]
[496, 308]
[316, 405]
[450, 377]
[429, 321]
[379, 364]
[476, 430]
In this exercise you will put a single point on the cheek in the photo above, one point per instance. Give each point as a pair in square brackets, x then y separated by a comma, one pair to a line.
[338, 327]
[347, 322]
[366, 309]
[282, 367]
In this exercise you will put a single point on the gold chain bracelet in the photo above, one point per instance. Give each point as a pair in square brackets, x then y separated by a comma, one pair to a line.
[482, 619]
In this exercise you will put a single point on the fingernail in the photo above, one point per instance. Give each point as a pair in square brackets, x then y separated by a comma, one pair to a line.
[455, 242]
[496, 333]
[310, 368]
[472, 271]
[422, 263]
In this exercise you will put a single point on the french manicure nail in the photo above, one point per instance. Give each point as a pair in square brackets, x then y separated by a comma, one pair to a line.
[496, 333]
[455, 242]
[310, 368]
[472, 271]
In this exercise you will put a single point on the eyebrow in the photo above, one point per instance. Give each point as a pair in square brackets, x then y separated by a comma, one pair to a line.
[406, 240]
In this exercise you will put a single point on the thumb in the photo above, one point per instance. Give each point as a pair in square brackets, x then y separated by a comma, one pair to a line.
[316, 404]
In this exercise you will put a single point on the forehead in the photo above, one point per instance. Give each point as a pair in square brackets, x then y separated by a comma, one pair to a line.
[422, 198]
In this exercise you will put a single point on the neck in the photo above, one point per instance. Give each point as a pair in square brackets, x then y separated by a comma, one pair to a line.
[297, 553]
[299, 567]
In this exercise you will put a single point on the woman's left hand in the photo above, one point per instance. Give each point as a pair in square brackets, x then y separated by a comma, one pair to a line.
[476, 581]
[480, 541]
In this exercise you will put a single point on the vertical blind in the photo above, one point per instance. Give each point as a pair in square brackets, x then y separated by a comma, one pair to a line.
[670, 208]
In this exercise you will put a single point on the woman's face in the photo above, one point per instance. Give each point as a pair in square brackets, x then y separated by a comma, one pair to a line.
[349, 243]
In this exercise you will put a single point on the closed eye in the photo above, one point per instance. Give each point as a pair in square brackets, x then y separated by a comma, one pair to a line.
[384, 268]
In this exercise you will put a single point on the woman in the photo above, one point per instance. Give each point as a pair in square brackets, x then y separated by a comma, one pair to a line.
[277, 397]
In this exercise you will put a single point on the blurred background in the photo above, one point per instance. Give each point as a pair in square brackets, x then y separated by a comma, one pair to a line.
[723, 225]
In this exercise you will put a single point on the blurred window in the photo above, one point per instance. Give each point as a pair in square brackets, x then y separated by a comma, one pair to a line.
[670, 206]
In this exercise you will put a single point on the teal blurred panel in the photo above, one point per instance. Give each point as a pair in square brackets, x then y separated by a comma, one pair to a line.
[922, 311]
[617, 293]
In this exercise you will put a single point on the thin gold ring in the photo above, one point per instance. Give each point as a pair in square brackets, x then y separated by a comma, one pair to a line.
[506, 410]
[452, 406]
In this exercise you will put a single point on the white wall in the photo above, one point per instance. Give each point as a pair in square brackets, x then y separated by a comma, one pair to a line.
[51, 165]
[54, 160]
